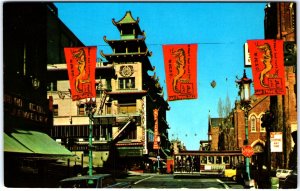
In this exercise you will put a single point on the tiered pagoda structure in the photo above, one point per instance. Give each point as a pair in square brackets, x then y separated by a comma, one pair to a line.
[133, 98]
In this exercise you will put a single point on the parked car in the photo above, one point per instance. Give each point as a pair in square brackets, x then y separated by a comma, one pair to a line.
[283, 173]
[290, 181]
[94, 181]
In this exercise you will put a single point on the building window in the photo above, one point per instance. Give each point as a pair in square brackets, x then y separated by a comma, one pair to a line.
[262, 129]
[55, 110]
[253, 123]
[80, 109]
[105, 133]
[126, 83]
[132, 133]
[127, 108]
[108, 108]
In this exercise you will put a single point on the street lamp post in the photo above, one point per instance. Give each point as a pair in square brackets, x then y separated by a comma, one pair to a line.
[244, 92]
[158, 156]
[91, 109]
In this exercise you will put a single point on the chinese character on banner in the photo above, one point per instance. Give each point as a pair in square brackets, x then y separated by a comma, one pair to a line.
[81, 64]
[267, 62]
[181, 71]
[156, 133]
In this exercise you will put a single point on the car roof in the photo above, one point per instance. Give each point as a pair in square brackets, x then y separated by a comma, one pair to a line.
[85, 177]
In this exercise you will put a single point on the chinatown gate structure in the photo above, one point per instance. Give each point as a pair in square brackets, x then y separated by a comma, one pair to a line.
[123, 124]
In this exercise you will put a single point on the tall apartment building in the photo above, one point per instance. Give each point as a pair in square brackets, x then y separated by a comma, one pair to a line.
[123, 125]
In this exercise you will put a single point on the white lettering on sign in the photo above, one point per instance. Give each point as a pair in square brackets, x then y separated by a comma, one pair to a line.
[18, 107]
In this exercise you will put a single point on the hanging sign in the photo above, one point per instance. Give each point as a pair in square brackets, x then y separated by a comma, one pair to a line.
[156, 133]
[181, 71]
[276, 141]
[81, 64]
[267, 66]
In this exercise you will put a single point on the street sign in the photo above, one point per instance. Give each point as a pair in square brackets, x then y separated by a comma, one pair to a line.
[276, 141]
[247, 151]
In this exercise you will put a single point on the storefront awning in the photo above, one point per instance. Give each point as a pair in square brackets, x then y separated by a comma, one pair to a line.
[34, 142]
[12, 145]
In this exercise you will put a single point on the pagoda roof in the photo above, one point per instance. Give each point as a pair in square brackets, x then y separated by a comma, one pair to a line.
[136, 41]
[130, 54]
[127, 20]
[129, 57]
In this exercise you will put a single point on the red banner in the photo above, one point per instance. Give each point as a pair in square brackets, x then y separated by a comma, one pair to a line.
[156, 133]
[267, 66]
[181, 71]
[81, 64]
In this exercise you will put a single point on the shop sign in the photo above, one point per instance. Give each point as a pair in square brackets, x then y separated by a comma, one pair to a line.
[20, 107]
[276, 141]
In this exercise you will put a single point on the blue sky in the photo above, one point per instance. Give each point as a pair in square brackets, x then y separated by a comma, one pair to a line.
[220, 30]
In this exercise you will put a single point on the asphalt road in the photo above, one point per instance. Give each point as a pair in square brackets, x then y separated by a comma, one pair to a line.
[168, 181]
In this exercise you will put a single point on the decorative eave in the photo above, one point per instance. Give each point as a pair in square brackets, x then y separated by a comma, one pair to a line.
[111, 57]
[155, 80]
[152, 82]
[138, 40]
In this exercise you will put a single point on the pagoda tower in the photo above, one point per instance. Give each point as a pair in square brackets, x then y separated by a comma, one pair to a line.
[133, 97]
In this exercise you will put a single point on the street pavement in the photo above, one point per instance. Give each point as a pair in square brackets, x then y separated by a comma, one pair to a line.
[152, 180]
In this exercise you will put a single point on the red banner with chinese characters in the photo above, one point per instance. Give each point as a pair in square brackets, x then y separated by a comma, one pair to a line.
[81, 64]
[267, 62]
[181, 71]
[156, 133]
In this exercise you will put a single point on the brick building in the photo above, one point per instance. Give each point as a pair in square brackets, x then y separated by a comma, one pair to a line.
[214, 130]
[280, 23]
[256, 132]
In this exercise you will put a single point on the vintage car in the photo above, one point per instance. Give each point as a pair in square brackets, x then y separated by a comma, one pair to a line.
[290, 181]
[283, 173]
[94, 181]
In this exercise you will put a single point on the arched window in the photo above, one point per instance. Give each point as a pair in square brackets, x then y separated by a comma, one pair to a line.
[262, 129]
[253, 123]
